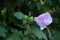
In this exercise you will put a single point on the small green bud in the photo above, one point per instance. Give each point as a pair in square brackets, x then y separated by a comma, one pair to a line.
[3, 11]
[24, 21]
[31, 19]
[25, 17]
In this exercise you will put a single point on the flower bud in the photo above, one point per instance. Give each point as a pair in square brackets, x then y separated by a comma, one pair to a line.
[25, 17]
[31, 19]
[3, 11]
[24, 21]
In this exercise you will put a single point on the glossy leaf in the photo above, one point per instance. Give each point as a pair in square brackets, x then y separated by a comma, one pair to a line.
[18, 15]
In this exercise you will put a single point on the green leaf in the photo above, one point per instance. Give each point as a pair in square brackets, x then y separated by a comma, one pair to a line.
[14, 30]
[2, 31]
[18, 15]
[12, 37]
[26, 38]
[39, 33]
[15, 36]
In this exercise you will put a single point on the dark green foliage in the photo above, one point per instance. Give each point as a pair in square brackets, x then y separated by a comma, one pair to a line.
[13, 26]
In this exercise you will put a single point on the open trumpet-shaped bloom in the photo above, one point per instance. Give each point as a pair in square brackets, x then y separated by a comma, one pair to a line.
[43, 20]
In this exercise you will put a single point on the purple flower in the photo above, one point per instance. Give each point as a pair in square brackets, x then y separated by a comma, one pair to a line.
[43, 20]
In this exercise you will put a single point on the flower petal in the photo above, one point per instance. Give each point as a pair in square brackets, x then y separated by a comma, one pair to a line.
[43, 20]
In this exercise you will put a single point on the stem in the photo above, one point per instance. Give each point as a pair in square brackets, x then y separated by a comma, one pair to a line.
[50, 35]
